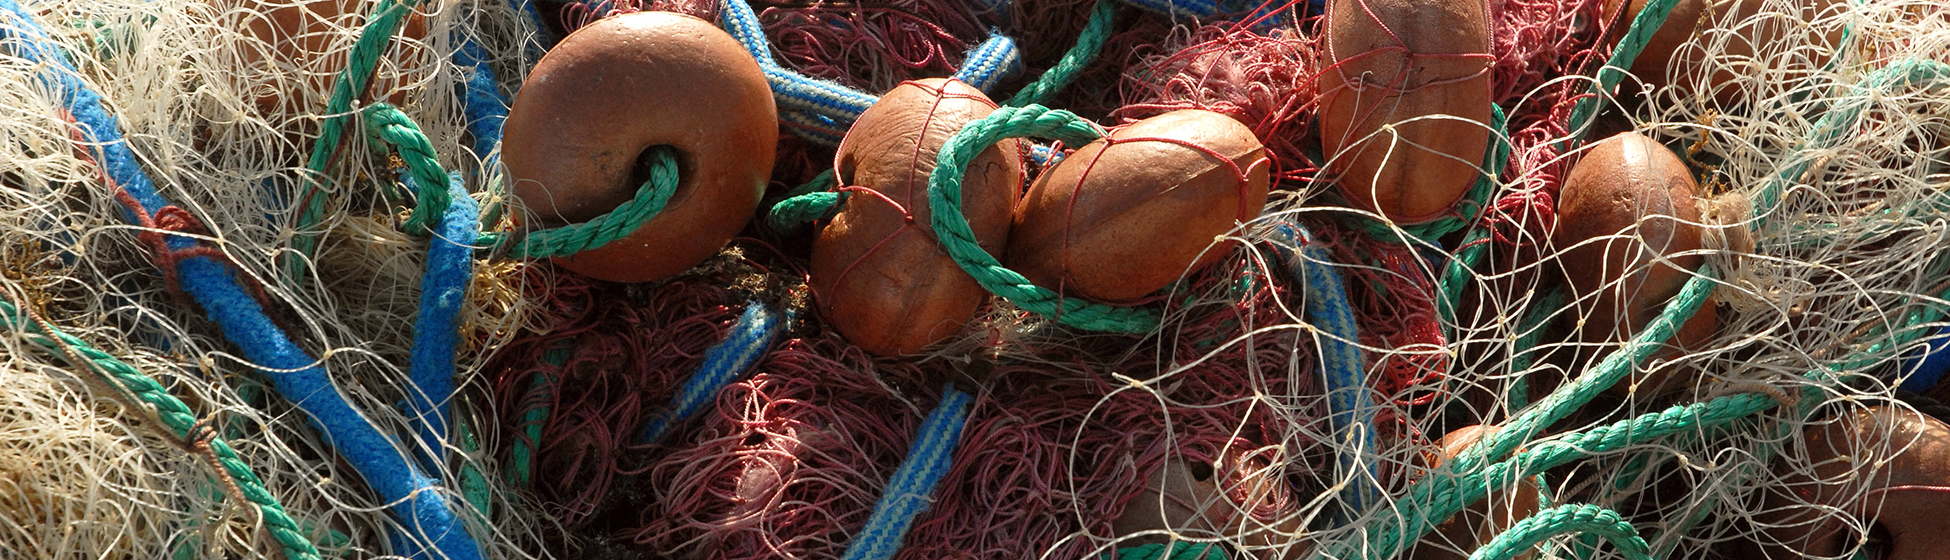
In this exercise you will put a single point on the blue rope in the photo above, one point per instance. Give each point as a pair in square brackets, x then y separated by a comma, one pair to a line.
[436, 339]
[1351, 411]
[821, 110]
[991, 62]
[485, 107]
[724, 363]
[912, 488]
[414, 497]
[793, 91]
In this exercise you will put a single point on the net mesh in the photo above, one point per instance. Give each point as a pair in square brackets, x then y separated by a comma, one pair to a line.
[1824, 234]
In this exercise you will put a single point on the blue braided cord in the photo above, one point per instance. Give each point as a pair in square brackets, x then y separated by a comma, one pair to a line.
[1179, 8]
[724, 363]
[1351, 411]
[485, 107]
[817, 129]
[450, 267]
[1041, 155]
[412, 496]
[991, 62]
[912, 488]
[793, 91]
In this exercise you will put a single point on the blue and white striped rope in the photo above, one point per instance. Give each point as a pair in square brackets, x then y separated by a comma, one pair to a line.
[820, 110]
[415, 498]
[912, 489]
[994, 60]
[1351, 410]
[723, 364]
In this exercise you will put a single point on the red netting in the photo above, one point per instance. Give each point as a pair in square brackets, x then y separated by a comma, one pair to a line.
[630, 348]
[1265, 81]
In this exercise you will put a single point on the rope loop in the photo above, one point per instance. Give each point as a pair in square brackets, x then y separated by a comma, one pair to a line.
[650, 199]
[1568, 518]
[957, 238]
[393, 126]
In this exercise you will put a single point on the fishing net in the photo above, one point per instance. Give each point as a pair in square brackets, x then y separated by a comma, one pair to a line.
[1291, 401]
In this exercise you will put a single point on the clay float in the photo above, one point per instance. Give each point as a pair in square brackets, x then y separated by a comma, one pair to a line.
[1628, 221]
[1126, 215]
[882, 279]
[1405, 104]
[580, 135]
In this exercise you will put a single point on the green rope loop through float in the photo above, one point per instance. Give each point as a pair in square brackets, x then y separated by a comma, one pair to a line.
[951, 227]
[1571, 518]
[1089, 43]
[650, 199]
[176, 416]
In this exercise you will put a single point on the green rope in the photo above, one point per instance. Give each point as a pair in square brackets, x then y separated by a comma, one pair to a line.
[1570, 518]
[1614, 367]
[352, 83]
[1530, 331]
[1495, 157]
[522, 458]
[806, 203]
[176, 416]
[1177, 550]
[958, 239]
[1644, 26]
[391, 125]
[473, 485]
[1839, 123]
[1095, 33]
[602, 230]
[1447, 492]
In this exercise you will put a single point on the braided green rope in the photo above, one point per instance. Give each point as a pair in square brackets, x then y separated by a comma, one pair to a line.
[352, 83]
[1532, 330]
[1446, 492]
[602, 230]
[951, 228]
[804, 209]
[1646, 24]
[1840, 122]
[388, 123]
[1570, 518]
[1614, 367]
[1089, 43]
[176, 416]
[1177, 550]
[1495, 157]
[522, 458]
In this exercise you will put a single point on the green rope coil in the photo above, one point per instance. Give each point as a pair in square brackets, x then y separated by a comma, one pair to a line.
[391, 125]
[352, 82]
[650, 199]
[1570, 518]
[1089, 43]
[176, 416]
[951, 227]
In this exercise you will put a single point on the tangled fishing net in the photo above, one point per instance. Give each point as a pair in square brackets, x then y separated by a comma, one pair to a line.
[139, 419]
